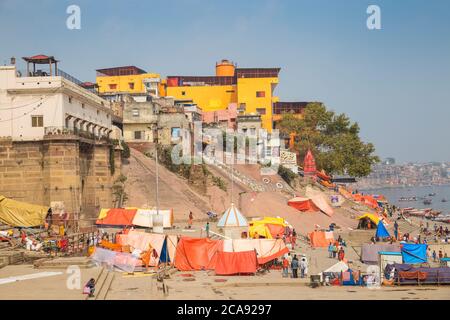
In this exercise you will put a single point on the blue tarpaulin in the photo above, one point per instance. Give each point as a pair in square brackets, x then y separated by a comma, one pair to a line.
[164, 257]
[381, 231]
[414, 253]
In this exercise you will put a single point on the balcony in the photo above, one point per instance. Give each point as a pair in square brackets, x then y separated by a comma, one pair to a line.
[74, 133]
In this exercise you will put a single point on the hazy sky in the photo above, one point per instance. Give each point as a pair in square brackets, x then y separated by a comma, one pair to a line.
[395, 82]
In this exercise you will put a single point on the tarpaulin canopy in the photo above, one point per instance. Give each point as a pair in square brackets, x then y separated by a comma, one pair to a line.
[320, 200]
[371, 217]
[337, 267]
[370, 201]
[303, 204]
[320, 238]
[103, 213]
[144, 217]
[197, 253]
[268, 227]
[414, 253]
[229, 263]
[118, 217]
[369, 252]
[121, 260]
[20, 214]
[232, 217]
[432, 275]
[381, 231]
[266, 249]
[143, 240]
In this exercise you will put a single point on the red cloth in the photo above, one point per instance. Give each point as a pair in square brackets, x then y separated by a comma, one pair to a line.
[275, 230]
[305, 206]
[197, 253]
[229, 263]
[413, 275]
[317, 239]
[118, 217]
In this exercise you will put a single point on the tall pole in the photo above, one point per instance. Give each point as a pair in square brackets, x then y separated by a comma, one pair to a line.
[157, 182]
[232, 171]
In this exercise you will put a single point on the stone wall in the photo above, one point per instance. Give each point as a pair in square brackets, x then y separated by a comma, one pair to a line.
[75, 172]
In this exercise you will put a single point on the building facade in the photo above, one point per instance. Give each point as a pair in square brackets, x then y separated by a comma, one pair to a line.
[54, 143]
[155, 121]
[129, 80]
[250, 89]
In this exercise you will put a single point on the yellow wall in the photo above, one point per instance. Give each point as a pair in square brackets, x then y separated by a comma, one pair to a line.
[208, 98]
[247, 88]
[123, 83]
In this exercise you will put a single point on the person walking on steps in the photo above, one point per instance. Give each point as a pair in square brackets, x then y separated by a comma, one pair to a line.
[207, 229]
[191, 219]
[294, 266]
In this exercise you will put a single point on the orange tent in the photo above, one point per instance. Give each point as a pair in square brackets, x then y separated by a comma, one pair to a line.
[303, 204]
[197, 253]
[118, 217]
[276, 230]
[370, 201]
[229, 263]
[320, 238]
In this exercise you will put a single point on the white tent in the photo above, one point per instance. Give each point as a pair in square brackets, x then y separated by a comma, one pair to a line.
[232, 217]
[337, 267]
[144, 217]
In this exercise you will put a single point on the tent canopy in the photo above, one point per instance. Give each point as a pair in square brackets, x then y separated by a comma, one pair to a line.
[268, 227]
[230, 263]
[303, 204]
[20, 214]
[381, 231]
[320, 200]
[337, 267]
[197, 253]
[232, 217]
[414, 253]
[118, 217]
[321, 238]
[371, 217]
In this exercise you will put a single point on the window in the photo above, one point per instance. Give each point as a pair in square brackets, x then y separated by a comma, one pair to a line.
[261, 110]
[70, 99]
[113, 86]
[131, 85]
[37, 121]
[183, 93]
[138, 135]
[260, 94]
[135, 112]
[82, 106]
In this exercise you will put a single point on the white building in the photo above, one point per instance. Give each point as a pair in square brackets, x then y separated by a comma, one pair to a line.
[38, 105]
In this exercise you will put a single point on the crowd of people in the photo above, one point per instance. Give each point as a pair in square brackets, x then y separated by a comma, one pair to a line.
[291, 265]
[336, 249]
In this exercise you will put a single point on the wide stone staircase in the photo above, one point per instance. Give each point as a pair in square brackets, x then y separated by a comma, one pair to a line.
[254, 185]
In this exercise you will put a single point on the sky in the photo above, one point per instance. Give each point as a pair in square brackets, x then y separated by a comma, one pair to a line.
[395, 82]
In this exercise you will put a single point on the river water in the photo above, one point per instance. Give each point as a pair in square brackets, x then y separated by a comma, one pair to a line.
[393, 194]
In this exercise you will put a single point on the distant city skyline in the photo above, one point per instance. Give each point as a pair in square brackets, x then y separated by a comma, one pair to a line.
[394, 82]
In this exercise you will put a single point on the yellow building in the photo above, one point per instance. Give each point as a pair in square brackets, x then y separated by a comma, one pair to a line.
[251, 89]
[129, 79]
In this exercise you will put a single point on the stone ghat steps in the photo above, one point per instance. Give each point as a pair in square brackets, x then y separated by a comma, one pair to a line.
[63, 263]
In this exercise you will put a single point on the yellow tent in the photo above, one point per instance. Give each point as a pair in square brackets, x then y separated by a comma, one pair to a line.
[261, 230]
[370, 216]
[260, 226]
[20, 214]
[103, 214]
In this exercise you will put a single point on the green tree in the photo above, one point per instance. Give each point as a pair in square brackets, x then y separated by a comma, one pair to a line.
[333, 139]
